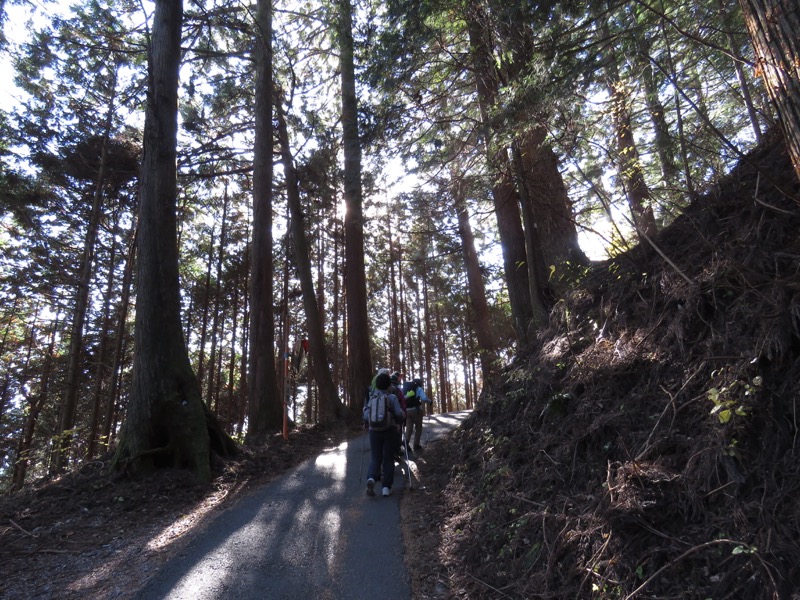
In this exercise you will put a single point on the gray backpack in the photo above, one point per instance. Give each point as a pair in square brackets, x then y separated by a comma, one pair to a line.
[379, 412]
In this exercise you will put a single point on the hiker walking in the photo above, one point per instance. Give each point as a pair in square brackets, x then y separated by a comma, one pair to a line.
[396, 388]
[383, 414]
[372, 383]
[415, 398]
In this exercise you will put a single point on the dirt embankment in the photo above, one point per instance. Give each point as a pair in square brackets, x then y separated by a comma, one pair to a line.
[647, 445]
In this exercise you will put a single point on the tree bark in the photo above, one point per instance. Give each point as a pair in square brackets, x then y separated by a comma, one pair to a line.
[542, 186]
[528, 311]
[329, 405]
[506, 200]
[360, 360]
[773, 26]
[265, 408]
[166, 425]
[242, 392]
[487, 345]
[537, 268]
[338, 374]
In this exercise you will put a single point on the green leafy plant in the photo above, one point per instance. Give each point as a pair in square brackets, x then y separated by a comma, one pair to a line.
[724, 406]
[726, 402]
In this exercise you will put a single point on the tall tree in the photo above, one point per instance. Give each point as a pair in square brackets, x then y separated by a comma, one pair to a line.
[527, 311]
[69, 404]
[524, 119]
[329, 404]
[265, 408]
[487, 344]
[101, 366]
[738, 65]
[166, 424]
[629, 164]
[358, 350]
[122, 339]
[665, 146]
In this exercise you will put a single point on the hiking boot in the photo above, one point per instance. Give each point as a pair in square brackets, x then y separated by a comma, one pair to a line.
[371, 487]
[387, 491]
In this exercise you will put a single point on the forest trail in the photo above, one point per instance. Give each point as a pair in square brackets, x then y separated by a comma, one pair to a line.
[312, 533]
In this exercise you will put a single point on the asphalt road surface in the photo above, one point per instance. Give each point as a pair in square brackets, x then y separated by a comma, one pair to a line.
[312, 534]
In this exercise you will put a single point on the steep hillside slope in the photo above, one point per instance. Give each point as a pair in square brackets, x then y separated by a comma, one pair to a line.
[647, 445]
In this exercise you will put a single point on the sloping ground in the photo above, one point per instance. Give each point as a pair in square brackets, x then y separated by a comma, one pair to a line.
[647, 446]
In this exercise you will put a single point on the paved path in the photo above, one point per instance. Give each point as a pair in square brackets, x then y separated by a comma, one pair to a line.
[312, 534]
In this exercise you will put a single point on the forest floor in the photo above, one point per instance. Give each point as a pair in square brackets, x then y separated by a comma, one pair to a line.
[92, 535]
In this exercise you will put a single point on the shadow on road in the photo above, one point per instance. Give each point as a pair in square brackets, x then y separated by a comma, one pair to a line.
[311, 533]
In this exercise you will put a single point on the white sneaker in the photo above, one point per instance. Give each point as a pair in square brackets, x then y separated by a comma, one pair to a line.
[371, 486]
[387, 491]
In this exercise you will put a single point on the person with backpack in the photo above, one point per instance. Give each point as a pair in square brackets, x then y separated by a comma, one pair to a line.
[396, 388]
[375, 377]
[383, 413]
[415, 398]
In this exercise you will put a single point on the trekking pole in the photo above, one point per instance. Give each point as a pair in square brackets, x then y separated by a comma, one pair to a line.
[361, 466]
[408, 464]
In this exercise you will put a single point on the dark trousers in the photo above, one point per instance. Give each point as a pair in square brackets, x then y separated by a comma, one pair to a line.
[382, 449]
[414, 425]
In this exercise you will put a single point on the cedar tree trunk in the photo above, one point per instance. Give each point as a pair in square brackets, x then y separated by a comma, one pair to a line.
[166, 424]
[774, 27]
